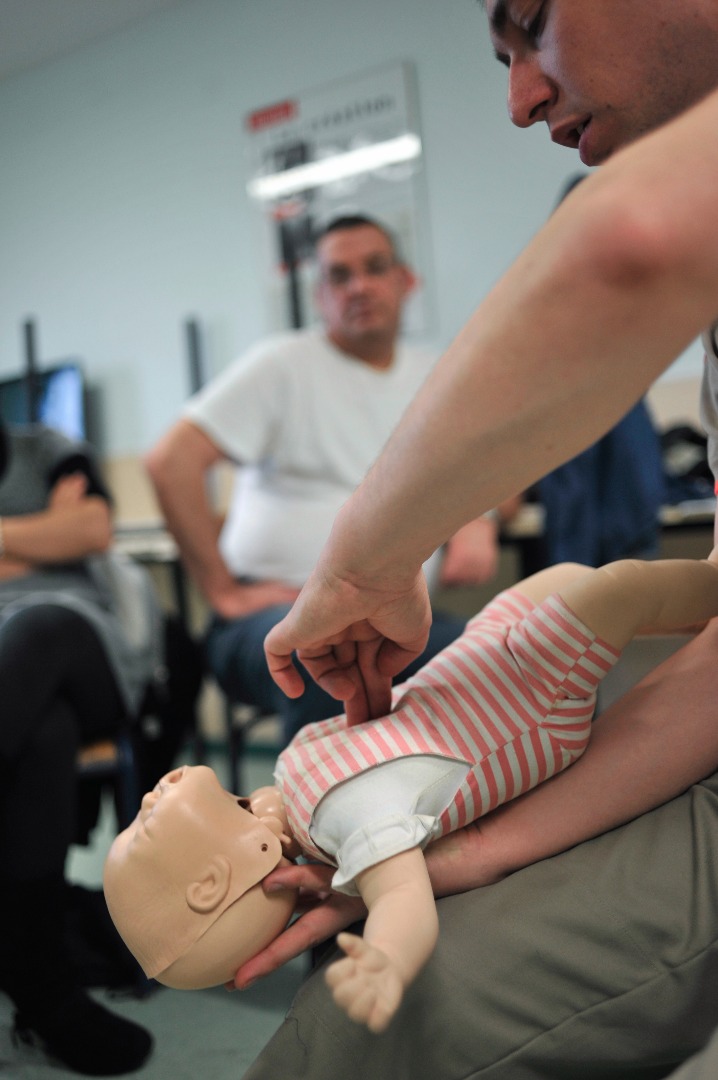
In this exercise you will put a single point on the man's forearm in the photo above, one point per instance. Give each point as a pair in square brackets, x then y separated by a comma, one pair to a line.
[177, 468]
[472, 554]
[609, 292]
[192, 524]
[61, 535]
[646, 749]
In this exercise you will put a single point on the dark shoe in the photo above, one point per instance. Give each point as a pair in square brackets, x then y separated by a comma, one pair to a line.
[97, 954]
[85, 1036]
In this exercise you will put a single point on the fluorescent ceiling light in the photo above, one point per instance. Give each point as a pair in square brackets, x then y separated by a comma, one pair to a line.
[336, 167]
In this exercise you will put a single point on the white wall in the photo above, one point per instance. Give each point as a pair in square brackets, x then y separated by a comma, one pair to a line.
[122, 172]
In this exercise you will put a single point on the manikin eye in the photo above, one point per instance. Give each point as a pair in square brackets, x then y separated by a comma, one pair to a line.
[265, 847]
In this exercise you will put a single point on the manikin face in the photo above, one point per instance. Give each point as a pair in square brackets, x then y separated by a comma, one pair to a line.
[187, 813]
[361, 289]
[191, 854]
[600, 73]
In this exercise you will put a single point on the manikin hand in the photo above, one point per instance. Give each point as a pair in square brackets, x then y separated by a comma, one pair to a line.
[352, 640]
[366, 984]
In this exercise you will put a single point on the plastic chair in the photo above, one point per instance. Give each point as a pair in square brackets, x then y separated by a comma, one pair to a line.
[114, 760]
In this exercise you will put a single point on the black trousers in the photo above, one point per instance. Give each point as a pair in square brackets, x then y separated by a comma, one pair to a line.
[57, 691]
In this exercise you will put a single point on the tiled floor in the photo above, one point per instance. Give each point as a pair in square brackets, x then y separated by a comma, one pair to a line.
[199, 1035]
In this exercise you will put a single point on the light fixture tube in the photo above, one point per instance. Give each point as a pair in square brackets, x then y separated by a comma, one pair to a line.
[338, 167]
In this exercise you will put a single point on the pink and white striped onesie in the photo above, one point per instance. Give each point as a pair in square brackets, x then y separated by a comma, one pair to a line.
[512, 700]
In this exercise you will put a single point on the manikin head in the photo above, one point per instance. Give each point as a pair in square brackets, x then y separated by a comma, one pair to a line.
[602, 74]
[361, 288]
[183, 881]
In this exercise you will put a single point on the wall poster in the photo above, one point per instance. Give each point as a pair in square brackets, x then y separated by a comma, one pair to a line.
[352, 146]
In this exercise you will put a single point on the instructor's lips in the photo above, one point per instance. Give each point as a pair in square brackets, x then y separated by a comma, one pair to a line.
[572, 133]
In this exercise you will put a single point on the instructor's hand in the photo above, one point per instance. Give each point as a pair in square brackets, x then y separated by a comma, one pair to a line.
[352, 640]
[323, 914]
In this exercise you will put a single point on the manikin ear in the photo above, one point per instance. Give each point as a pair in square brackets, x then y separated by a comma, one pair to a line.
[207, 893]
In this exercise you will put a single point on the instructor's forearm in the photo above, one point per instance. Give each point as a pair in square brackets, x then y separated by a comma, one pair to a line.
[647, 748]
[599, 304]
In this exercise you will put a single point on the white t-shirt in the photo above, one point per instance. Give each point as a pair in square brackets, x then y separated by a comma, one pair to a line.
[303, 422]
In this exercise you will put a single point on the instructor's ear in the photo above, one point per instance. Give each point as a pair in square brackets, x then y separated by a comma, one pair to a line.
[208, 892]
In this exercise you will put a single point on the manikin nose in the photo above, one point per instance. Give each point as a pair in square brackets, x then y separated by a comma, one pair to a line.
[173, 777]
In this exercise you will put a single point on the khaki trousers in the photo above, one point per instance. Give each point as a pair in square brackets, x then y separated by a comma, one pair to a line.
[599, 963]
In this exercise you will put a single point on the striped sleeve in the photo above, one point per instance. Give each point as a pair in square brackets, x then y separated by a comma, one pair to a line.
[556, 651]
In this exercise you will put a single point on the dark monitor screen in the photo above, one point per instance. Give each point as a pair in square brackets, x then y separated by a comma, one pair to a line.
[60, 392]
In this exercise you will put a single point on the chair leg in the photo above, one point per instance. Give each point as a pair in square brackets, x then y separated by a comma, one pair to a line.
[240, 718]
[235, 748]
[128, 794]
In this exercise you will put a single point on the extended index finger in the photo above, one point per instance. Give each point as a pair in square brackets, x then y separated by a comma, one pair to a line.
[373, 698]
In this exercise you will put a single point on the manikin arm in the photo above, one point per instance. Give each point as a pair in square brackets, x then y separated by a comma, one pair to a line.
[400, 933]
[630, 596]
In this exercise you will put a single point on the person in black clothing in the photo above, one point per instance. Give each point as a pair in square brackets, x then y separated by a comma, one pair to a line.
[65, 680]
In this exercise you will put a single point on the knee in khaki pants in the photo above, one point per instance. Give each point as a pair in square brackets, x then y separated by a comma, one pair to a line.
[600, 962]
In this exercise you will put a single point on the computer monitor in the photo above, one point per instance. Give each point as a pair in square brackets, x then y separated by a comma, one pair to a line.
[60, 399]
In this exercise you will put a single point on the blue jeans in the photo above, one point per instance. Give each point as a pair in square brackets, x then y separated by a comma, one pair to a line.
[235, 655]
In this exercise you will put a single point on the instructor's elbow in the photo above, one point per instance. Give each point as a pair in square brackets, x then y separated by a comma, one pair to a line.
[631, 244]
